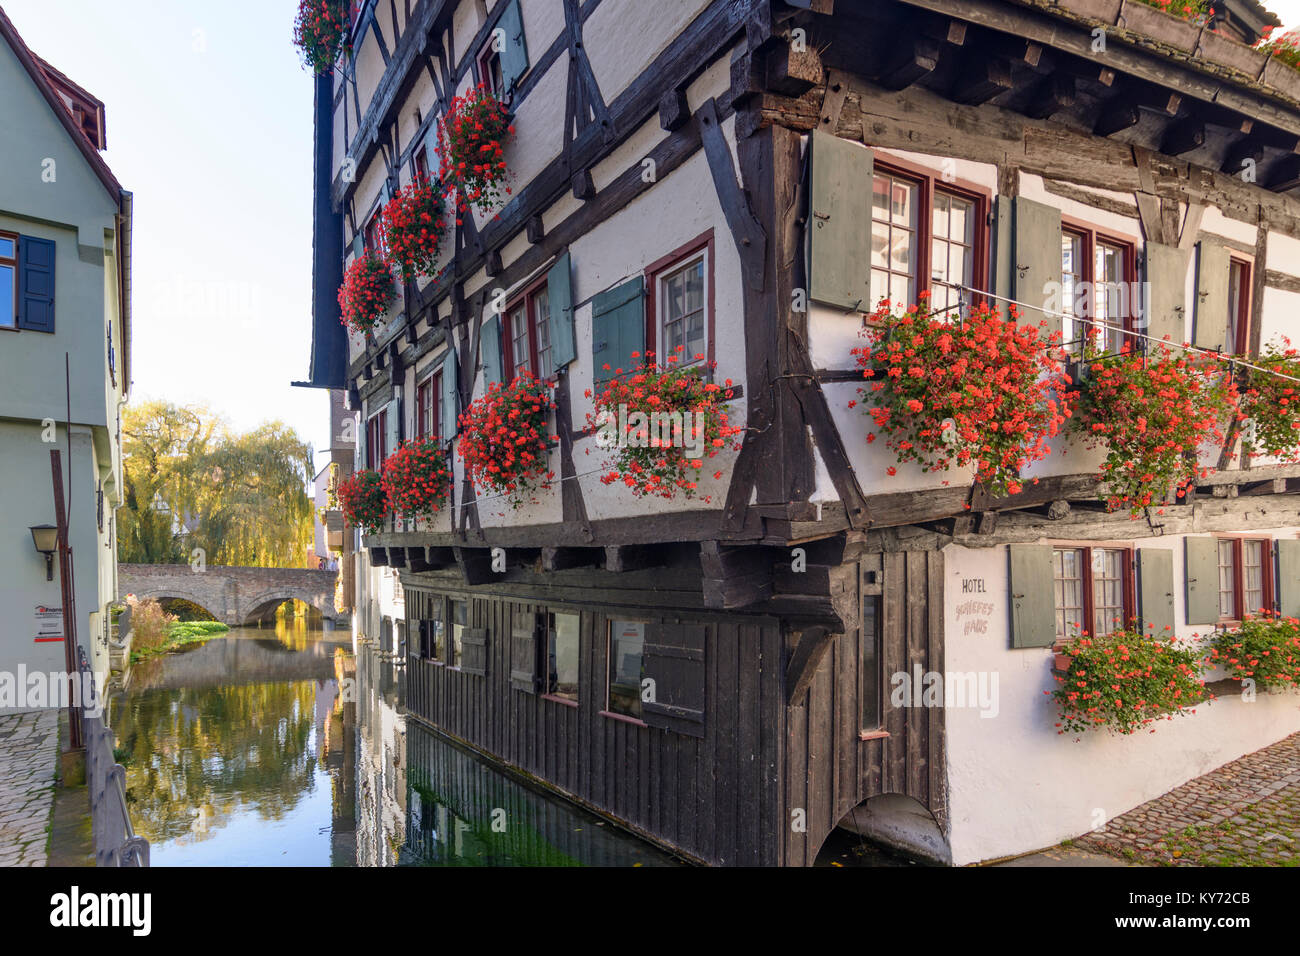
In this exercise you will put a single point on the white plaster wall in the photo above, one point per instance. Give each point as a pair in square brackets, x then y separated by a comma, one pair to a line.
[623, 38]
[1014, 783]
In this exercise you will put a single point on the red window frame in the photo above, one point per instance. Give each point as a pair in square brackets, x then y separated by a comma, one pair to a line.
[662, 267]
[11, 262]
[486, 76]
[377, 439]
[930, 182]
[1239, 575]
[428, 398]
[510, 360]
[422, 165]
[1087, 583]
[1091, 237]
[1244, 306]
[374, 232]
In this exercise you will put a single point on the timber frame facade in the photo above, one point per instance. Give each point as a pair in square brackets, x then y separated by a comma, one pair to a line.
[771, 617]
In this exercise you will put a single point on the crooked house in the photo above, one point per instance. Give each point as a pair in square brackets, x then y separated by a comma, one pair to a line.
[749, 178]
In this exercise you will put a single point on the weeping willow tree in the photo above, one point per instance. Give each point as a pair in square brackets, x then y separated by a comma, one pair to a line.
[192, 483]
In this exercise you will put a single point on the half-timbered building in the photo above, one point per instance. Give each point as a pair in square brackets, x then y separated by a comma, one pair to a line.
[752, 176]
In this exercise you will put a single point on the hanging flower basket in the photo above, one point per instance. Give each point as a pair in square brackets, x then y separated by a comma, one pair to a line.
[948, 393]
[416, 479]
[414, 225]
[661, 424]
[471, 143]
[320, 31]
[1151, 413]
[504, 439]
[364, 501]
[1126, 681]
[1272, 403]
[368, 292]
[1265, 650]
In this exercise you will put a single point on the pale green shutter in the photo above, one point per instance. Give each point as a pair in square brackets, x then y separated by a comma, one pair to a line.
[1003, 254]
[618, 329]
[839, 240]
[1288, 576]
[514, 51]
[358, 245]
[559, 293]
[1156, 591]
[363, 435]
[449, 400]
[489, 350]
[1033, 596]
[1036, 268]
[1211, 295]
[394, 424]
[1166, 293]
[1202, 580]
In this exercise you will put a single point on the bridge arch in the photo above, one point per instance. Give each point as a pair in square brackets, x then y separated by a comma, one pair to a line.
[902, 823]
[232, 595]
[260, 608]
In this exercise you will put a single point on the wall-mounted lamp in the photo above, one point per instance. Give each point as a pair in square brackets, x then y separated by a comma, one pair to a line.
[46, 539]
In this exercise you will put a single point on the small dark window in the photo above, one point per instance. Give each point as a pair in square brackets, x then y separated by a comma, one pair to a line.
[428, 396]
[8, 280]
[375, 233]
[377, 439]
[422, 165]
[562, 655]
[626, 644]
[459, 624]
[870, 663]
[433, 639]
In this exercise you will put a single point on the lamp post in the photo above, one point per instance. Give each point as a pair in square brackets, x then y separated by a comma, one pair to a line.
[46, 539]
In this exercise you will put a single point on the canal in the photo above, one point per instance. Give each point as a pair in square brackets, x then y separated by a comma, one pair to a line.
[267, 747]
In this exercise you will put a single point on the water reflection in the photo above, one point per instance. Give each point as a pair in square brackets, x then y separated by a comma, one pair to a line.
[276, 747]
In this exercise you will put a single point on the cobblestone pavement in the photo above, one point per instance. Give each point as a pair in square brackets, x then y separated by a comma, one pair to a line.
[29, 745]
[1246, 813]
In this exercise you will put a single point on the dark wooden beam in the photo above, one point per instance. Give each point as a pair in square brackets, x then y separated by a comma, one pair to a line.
[808, 654]
[1241, 154]
[980, 79]
[735, 577]
[561, 559]
[583, 186]
[1051, 95]
[1285, 174]
[674, 113]
[1116, 115]
[1183, 136]
[623, 558]
[536, 230]
[917, 58]
[379, 557]
[792, 72]
[475, 565]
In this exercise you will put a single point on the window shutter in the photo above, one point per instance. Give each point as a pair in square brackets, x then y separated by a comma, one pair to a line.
[35, 284]
[1156, 591]
[673, 658]
[523, 653]
[1211, 295]
[489, 350]
[839, 242]
[449, 400]
[474, 645]
[358, 245]
[617, 328]
[514, 53]
[559, 293]
[1166, 275]
[1288, 576]
[363, 437]
[1033, 596]
[393, 423]
[1202, 580]
[1003, 254]
[1036, 262]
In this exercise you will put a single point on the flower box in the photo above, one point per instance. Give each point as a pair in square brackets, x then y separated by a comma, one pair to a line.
[1221, 49]
[1158, 25]
[1282, 77]
[1105, 10]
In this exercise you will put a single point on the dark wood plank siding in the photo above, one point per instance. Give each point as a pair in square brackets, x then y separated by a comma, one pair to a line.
[715, 798]
[828, 769]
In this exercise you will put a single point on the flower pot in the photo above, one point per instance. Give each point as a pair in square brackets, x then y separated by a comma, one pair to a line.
[1062, 662]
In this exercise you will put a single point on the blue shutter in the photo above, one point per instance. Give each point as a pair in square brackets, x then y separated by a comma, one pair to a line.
[559, 293]
[358, 245]
[35, 284]
[514, 52]
[449, 400]
[617, 328]
[489, 350]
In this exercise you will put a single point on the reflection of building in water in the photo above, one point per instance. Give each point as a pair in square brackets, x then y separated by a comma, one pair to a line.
[339, 757]
[381, 774]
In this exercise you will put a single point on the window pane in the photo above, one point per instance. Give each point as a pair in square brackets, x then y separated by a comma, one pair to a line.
[7, 248]
[562, 655]
[542, 314]
[695, 286]
[6, 296]
[962, 222]
[1236, 285]
[870, 663]
[1068, 574]
[1252, 569]
[1107, 590]
[1227, 579]
[880, 244]
[626, 640]
[459, 620]
[903, 204]
[940, 219]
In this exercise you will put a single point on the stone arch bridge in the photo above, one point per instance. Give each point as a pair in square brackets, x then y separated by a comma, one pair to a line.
[234, 596]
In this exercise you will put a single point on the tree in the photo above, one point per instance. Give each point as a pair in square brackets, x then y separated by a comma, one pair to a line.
[192, 483]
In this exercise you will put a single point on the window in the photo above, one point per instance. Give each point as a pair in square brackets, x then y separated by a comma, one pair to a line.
[626, 643]
[490, 73]
[1245, 577]
[459, 622]
[679, 310]
[562, 655]
[1238, 307]
[375, 233]
[1097, 279]
[377, 439]
[527, 338]
[422, 165]
[8, 280]
[433, 640]
[1093, 590]
[427, 397]
[870, 663]
[922, 226]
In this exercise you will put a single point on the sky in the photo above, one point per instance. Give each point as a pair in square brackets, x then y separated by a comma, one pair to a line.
[209, 121]
[209, 116]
